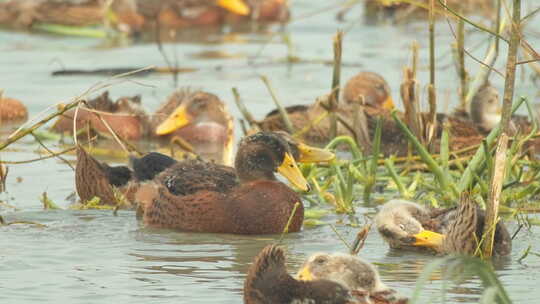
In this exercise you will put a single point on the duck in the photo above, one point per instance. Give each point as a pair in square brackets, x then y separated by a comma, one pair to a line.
[125, 117]
[201, 119]
[174, 14]
[94, 179]
[268, 281]
[324, 278]
[98, 179]
[371, 86]
[24, 14]
[12, 110]
[246, 199]
[408, 225]
[356, 274]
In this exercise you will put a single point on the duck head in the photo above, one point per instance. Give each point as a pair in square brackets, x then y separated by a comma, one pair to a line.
[262, 154]
[400, 224]
[485, 108]
[372, 87]
[348, 270]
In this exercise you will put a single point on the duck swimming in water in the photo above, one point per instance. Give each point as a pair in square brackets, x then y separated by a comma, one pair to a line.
[407, 225]
[12, 110]
[245, 200]
[324, 278]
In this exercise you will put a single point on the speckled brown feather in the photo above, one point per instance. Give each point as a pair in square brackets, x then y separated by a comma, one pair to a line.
[268, 282]
[189, 176]
[91, 180]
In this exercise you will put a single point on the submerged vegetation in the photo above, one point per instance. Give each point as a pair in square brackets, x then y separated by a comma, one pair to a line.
[383, 153]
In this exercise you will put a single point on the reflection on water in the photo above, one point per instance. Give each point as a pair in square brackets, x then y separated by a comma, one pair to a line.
[93, 256]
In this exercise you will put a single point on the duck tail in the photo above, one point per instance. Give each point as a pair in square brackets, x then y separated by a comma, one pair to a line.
[271, 257]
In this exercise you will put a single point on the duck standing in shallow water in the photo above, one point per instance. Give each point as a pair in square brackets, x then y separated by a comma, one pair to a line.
[404, 224]
[247, 201]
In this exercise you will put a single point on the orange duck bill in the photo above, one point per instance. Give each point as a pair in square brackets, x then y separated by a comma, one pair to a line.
[388, 103]
[235, 6]
[292, 173]
[429, 239]
[177, 120]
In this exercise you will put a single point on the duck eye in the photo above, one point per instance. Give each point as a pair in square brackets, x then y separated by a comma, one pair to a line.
[401, 226]
[320, 260]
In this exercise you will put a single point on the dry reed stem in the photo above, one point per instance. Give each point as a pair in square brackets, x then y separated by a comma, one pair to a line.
[281, 109]
[336, 78]
[360, 125]
[19, 133]
[243, 109]
[497, 179]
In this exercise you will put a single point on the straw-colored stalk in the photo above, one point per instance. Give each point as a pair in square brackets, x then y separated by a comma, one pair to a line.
[281, 109]
[499, 167]
[336, 78]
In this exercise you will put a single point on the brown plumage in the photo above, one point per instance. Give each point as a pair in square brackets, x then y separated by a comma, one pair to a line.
[125, 116]
[25, 13]
[405, 224]
[268, 282]
[213, 199]
[371, 86]
[92, 180]
[12, 110]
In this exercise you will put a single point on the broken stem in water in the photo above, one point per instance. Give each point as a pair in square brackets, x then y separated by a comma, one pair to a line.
[499, 167]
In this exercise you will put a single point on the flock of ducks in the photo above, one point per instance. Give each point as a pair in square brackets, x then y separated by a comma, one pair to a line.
[135, 16]
[205, 195]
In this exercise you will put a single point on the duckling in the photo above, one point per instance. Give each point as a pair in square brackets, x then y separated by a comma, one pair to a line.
[351, 272]
[268, 282]
[371, 86]
[405, 224]
[201, 119]
[255, 203]
[12, 110]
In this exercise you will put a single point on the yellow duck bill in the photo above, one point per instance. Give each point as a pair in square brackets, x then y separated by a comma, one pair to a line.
[177, 120]
[428, 238]
[292, 173]
[304, 274]
[235, 6]
[310, 154]
[388, 103]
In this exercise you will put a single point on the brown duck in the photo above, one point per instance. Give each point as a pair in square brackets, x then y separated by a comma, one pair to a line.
[367, 85]
[254, 203]
[12, 110]
[404, 224]
[324, 278]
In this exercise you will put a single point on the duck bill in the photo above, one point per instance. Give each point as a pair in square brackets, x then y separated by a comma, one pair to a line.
[304, 274]
[178, 119]
[291, 172]
[388, 103]
[428, 238]
[235, 6]
[310, 154]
